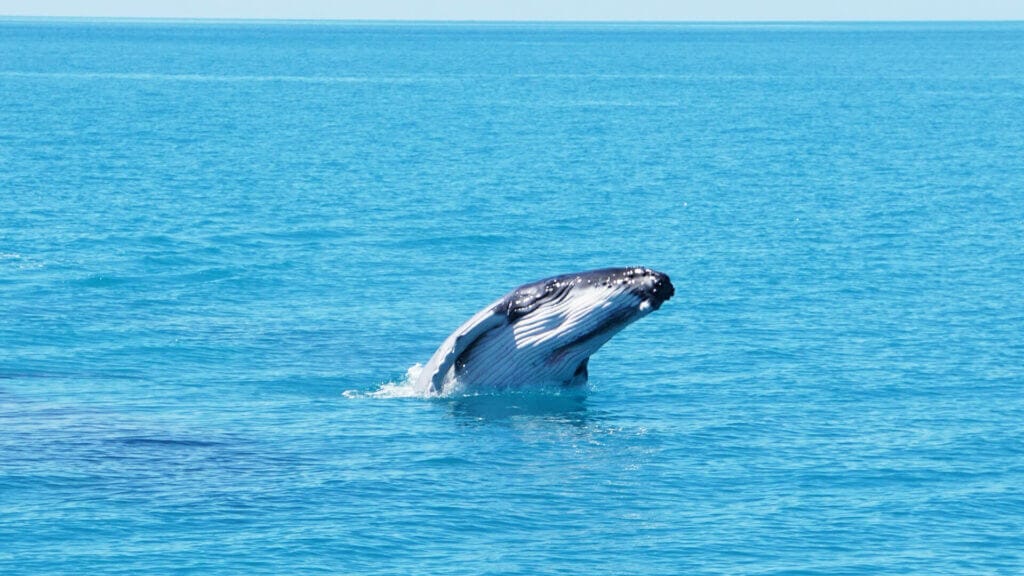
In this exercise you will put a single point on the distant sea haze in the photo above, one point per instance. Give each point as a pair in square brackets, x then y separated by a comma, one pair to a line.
[225, 248]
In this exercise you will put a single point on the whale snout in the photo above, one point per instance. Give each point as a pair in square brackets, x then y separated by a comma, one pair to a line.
[652, 287]
[659, 289]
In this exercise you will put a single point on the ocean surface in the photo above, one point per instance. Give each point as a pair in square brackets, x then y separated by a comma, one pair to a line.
[223, 245]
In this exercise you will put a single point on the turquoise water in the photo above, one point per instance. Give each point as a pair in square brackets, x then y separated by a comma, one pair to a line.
[223, 245]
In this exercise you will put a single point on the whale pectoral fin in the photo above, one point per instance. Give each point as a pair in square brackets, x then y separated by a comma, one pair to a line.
[579, 378]
[460, 340]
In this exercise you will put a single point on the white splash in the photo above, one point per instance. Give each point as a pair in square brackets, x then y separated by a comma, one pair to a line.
[404, 388]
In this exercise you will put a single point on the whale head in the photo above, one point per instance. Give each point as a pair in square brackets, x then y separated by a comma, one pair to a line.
[580, 312]
[545, 331]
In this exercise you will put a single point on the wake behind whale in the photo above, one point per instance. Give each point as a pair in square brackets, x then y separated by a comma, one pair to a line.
[542, 333]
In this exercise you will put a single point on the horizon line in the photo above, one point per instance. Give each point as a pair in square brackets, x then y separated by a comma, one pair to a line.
[257, 19]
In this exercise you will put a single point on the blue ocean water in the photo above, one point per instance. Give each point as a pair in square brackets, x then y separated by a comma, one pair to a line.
[222, 245]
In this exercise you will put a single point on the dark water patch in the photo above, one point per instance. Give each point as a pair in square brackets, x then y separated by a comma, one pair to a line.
[5, 375]
[105, 280]
[129, 374]
[165, 442]
[209, 274]
[498, 407]
[445, 461]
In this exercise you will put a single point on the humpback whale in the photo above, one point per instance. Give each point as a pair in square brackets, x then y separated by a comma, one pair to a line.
[543, 332]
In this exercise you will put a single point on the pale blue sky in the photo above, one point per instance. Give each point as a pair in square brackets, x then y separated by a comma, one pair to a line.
[531, 9]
